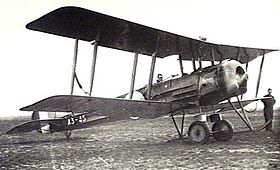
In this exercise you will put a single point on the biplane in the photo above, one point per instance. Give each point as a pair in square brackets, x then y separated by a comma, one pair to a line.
[205, 93]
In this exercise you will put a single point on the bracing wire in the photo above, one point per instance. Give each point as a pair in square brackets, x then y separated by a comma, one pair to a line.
[80, 85]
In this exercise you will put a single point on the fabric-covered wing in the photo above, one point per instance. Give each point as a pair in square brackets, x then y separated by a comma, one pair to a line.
[83, 24]
[114, 109]
[226, 106]
[95, 106]
[222, 107]
[118, 109]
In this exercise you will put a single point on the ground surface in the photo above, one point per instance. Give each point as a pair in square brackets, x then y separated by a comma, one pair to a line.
[141, 144]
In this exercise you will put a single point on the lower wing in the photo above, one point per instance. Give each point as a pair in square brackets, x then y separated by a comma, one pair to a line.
[123, 108]
[111, 110]
[224, 106]
[112, 107]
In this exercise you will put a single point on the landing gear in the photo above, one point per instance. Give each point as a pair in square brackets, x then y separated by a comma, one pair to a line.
[199, 132]
[67, 134]
[222, 131]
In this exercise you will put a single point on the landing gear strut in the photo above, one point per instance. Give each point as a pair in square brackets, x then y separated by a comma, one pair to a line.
[199, 131]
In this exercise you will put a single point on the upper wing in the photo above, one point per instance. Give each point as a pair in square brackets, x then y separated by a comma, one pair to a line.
[114, 108]
[74, 22]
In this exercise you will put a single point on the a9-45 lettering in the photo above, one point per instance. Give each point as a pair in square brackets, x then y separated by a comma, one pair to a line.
[74, 120]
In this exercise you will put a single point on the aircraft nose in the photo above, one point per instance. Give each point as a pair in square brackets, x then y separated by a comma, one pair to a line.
[241, 74]
[241, 78]
[235, 78]
[240, 71]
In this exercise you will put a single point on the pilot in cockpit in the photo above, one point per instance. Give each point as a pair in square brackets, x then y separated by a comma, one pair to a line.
[159, 78]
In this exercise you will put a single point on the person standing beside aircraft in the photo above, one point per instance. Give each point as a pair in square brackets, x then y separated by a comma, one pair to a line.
[268, 109]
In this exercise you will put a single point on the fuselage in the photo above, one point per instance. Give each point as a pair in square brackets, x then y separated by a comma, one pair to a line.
[202, 87]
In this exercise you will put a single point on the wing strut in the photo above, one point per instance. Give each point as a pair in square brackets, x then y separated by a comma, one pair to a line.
[260, 75]
[133, 75]
[152, 69]
[181, 64]
[200, 62]
[193, 63]
[95, 46]
[213, 56]
[74, 64]
[258, 82]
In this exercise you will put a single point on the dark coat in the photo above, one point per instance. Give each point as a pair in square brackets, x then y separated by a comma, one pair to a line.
[268, 104]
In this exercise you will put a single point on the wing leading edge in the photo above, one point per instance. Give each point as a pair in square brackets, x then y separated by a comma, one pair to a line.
[112, 32]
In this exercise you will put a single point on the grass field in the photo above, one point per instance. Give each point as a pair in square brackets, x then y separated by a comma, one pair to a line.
[141, 144]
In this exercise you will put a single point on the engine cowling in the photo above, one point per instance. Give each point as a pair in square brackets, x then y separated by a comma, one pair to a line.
[227, 80]
[232, 78]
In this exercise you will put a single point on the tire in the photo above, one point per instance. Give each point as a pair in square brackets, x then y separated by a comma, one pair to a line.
[222, 131]
[199, 132]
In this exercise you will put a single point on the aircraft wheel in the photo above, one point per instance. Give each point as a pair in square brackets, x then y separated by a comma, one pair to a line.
[199, 132]
[68, 134]
[222, 131]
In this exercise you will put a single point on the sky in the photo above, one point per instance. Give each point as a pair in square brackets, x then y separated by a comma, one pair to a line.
[36, 65]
